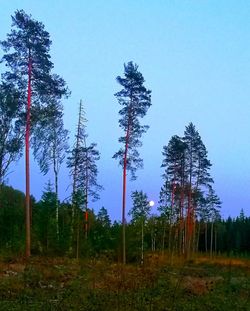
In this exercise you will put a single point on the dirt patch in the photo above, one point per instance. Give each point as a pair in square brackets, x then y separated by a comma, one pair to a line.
[200, 286]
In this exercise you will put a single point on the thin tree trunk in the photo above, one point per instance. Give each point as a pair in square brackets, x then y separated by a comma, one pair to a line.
[189, 226]
[181, 237]
[56, 190]
[153, 238]
[86, 224]
[142, 242]
[163, 237]
[171, 214]
[124, 198]
[169, 237]
[194, 233]
[74, 179]
[215, 240]
[211, 239]
[27, 166]
[78, 237]
[198, 237]
[86, 191]
[206, 237]
[123, 212]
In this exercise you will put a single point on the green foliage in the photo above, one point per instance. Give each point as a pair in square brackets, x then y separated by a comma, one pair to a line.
[29, 43]
[12, 229]
[135, 100]
[29, 39]
[44, 232]
[11, 139]
[82, 163]
[141, 208]
[230, 236]
[50, 139]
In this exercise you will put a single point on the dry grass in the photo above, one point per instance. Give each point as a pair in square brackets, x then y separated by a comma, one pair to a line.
[245, 263]
[162, 283]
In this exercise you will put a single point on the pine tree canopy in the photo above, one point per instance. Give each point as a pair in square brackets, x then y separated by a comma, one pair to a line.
[135, 100]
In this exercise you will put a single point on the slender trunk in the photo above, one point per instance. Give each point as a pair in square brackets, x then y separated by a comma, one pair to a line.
[171, 213]
[198, 237]
[1, 170]
[74, 180]
[211, 239]
[78, 236]
[206, 237]
[163, 237]
[57, 207]
[27, 165]
[86, 224]
[86, 191]
[123, 212]
[189, 225]
[56, 190]
[124, 198]
[194, 233]
[153, 236]
[181, 242]
[181, 234]
[142, 242]
[170, 236]
[215, 240]
[47, 237]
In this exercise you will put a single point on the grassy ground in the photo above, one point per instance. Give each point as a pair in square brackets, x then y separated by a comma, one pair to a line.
[65, 284]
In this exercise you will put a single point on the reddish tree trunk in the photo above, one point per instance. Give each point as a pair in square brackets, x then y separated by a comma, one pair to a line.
[86, 224]
[189, 222]
[181, 242]
[171, 215]
[27, 164]
[124, 199]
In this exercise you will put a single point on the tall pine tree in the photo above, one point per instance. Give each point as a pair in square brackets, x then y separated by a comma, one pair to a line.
[83, 169]
[30, 70]
[135, 100]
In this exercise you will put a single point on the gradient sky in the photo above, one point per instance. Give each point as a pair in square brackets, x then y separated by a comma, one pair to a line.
[194, 56]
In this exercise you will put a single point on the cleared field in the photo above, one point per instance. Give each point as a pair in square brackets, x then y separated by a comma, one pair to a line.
[66, 284]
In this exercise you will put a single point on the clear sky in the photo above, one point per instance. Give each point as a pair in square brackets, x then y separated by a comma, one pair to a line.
[194, 56]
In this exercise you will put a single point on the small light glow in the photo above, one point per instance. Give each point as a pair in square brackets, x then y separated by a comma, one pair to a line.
[151, 203]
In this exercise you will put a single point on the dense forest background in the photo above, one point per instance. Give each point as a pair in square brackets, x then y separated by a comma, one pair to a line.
[232, 236]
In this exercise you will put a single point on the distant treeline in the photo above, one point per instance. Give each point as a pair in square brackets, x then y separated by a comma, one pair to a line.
[96, 235]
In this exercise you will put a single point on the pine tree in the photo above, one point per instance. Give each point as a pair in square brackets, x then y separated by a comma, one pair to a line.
[139, 213]
[45, 215]
[213, 206]
[197, 170]
[83, 169]
[135, 100]
[186, 177]
[175, 179]
[165, 209]
[102, 231]
[27, 58]
[103, 217]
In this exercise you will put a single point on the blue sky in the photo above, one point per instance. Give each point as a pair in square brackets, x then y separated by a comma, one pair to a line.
[194, 56]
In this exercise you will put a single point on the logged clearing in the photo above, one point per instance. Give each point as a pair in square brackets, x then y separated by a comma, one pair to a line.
[98, 284]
